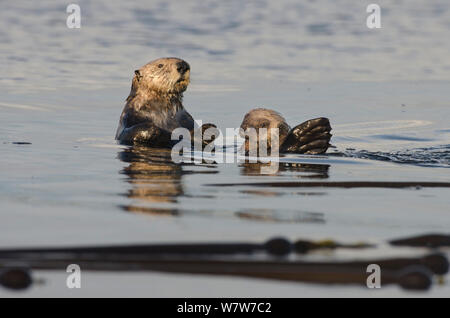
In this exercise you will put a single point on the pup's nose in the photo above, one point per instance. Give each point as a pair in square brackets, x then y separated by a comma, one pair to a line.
[182, 67]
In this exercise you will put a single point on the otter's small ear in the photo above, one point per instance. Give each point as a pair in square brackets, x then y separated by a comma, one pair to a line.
[138, 74]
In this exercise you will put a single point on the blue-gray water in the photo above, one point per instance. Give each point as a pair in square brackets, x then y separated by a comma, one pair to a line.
[385, 91]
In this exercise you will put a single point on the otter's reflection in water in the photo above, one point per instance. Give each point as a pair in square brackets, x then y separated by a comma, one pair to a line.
[307, 171]
[286, 216]
[302, 170]
[154, 177]
[155, 185]
[156, 181]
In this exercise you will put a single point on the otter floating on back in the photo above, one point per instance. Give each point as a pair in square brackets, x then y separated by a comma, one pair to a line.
[154, 107]
[311, 137]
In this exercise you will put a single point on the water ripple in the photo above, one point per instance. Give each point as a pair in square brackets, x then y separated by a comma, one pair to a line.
[438, 156]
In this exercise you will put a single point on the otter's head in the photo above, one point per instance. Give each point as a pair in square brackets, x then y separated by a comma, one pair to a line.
[163, 76]
[264, 118]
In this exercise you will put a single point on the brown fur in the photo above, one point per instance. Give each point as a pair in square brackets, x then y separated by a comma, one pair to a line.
[154, 106]
[265, 118]
[310, 137]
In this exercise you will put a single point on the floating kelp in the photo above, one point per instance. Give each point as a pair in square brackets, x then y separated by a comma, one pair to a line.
[430, 240]
[266, 260]
[410, 273]
[15, 278]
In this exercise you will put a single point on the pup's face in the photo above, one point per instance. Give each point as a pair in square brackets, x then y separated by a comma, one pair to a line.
[267, 119]
[165, 75]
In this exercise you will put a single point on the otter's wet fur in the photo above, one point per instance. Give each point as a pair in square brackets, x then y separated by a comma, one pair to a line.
[311, 137]
[154, 106]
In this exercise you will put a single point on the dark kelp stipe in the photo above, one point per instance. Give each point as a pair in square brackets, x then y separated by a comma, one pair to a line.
[236, 259]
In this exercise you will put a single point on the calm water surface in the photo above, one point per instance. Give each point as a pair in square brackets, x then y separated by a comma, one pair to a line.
[63, 90]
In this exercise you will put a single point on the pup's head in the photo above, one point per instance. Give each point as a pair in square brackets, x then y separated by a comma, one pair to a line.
[167, 75]
[266, 119]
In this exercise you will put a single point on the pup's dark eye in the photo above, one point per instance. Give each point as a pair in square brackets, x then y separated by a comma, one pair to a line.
[160, 65]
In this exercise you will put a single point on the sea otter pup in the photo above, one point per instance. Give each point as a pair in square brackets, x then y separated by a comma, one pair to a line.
[154, 107]
[311, 137]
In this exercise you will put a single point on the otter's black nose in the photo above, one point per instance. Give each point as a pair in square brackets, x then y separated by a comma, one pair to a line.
[182, 67]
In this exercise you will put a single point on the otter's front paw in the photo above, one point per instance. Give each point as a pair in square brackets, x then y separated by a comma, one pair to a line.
[311, 137]
[145, 134]
[208, 133]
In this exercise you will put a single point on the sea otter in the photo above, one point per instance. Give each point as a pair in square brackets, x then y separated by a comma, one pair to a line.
[154, 107]
[311, 137]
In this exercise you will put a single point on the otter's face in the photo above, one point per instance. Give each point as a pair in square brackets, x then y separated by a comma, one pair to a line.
[264, 118]
[165, 75]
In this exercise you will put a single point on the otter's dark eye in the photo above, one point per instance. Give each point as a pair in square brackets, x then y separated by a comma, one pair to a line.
[160, 65]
